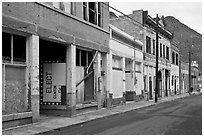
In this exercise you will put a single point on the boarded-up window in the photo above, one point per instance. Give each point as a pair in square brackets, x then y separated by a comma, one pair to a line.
[15, 87]
[15, 96]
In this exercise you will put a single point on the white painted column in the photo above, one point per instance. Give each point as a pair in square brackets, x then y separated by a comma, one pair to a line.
[34, 75]
[123, 71]
[71, 79]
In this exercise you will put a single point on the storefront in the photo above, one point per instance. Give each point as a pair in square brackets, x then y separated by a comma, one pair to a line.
[127, 62]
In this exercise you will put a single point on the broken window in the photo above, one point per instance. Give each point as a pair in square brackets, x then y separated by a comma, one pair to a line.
[6, 46]
[19, 48]
[83, 58]
[13, 47]
[92, 12]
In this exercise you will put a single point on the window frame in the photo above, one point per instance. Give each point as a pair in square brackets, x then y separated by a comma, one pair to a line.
[148, 44]
[164, 52]
[173, 57]
[167, 52]
[177, 59]
[79, 58]
[18, 64]
[97, 13]
[153, 47]
[160, 50]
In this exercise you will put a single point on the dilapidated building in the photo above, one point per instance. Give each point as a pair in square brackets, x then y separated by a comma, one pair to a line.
[175, 88]
[142, 27]
[126, 73]
[54, 59]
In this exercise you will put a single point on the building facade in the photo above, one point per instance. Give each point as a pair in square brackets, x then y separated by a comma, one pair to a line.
[53, 54]
[127, 66]
[175, 88]
[184, 77]
[194, 75]
[143, 28]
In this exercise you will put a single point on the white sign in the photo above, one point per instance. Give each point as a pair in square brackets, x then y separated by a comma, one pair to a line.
[54, 76]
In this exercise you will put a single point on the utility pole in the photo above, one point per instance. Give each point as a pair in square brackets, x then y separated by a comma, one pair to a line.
[189, 70]
[157, 54]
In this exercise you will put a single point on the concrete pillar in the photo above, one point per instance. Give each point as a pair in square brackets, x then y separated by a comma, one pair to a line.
[34, 75]
[134, 75]
[123, 69]
[97, 80]
[108, 76]
[71, 80]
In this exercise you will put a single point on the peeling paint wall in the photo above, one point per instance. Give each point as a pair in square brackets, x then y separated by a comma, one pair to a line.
[16, 98]
[42, 16]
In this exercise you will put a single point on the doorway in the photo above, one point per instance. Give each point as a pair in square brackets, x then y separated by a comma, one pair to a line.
[150, 88]
[52, 57]
[84, 76]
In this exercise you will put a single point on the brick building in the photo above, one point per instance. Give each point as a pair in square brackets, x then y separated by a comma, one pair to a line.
[53, 54]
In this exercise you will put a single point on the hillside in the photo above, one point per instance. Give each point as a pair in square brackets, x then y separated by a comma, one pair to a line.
[186, 37]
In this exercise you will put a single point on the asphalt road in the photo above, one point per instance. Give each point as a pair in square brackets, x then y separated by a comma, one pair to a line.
[178, 117]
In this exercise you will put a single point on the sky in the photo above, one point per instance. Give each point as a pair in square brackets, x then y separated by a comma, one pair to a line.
[188, 13]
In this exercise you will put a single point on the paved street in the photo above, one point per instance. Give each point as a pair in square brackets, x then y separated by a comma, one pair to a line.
[178, 117]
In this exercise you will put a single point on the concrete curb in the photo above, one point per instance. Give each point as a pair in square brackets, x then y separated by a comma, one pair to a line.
[55, 123]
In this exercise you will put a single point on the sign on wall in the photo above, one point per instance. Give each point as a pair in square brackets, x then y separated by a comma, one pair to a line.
[54, 82]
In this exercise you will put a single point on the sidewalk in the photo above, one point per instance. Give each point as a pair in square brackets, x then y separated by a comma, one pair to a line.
[51, 123]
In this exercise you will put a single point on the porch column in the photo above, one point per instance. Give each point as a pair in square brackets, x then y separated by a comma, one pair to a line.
[34, 75]
[71, 80]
